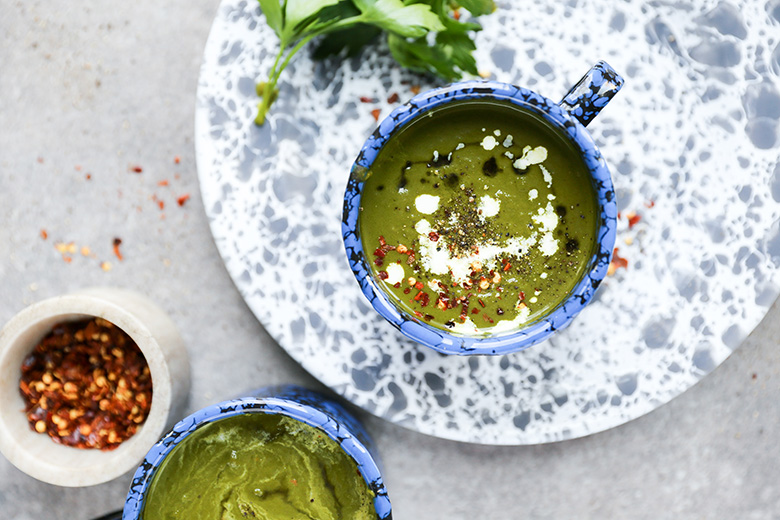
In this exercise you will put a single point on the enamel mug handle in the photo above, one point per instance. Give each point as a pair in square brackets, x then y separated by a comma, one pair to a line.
[592, 93]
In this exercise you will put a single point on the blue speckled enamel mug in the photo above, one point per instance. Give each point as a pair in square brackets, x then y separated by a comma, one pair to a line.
[578, 108]
[295, 402]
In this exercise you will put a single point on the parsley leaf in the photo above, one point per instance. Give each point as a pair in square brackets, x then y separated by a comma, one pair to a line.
[423, 35]
[412, 21]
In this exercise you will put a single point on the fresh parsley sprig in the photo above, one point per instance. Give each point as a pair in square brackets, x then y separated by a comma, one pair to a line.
[423, 35]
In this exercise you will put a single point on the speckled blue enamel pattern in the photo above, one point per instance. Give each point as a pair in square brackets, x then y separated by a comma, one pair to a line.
[592, 93]
[298, 403]
[578, 108]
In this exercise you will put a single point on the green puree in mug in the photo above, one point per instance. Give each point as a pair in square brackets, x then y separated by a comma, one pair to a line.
[258, 466]
[478, 218]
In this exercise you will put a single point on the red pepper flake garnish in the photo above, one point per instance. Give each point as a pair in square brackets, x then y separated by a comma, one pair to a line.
[633, 219]
[474, 310]
[177, 159]
[507, 266]
[418, 314]
[407, 290]
[163, 183]
[117, 253]
[44, 234]
[378, 262]
[487, 318]
[382, 241]
[433, 236]
[425, 299]
[418, 285]
[418, 295]
[428, 317]
[383, 275]
[481, 302]
[397, 285]
[376, 113]
[616, 263]
[649, 203]
[456, 14]
[415, 89]
[184, 198]
[137, 169]
[393, 98]
[521, 295]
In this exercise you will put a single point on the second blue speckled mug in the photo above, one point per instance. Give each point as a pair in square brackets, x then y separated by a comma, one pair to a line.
[301, 404]
[570, 116]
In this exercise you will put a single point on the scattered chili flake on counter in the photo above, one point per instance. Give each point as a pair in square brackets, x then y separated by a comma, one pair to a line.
[376, 113]
[176, 160]
[64, 248]
[44, 234]
[394, 97]
[183, 199]
[86, 385]
[117, 243]
[160, 203]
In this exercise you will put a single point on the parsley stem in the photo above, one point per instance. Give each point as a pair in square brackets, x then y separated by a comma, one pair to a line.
[269, 88]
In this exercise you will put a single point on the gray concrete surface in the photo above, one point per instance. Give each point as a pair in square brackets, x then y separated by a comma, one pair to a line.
[94, 88]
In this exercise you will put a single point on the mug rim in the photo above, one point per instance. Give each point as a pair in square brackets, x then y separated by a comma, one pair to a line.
[561, 315]
[284, 405]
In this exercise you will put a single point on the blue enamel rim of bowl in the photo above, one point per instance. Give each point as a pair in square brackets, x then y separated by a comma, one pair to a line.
[297, 403]
[441, 340]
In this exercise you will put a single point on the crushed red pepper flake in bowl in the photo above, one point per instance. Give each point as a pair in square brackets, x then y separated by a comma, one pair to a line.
[86, 385]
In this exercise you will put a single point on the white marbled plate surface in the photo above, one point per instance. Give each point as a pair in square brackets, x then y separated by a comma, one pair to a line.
[693, 142]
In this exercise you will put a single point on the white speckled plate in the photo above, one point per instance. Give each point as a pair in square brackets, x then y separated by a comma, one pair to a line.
[693, 144]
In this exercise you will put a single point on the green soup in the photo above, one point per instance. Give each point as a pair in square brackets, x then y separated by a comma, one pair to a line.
[259, 466]
[478, 218]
